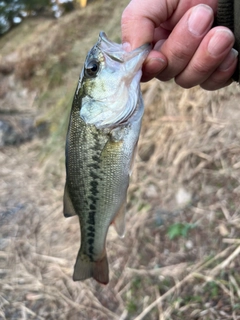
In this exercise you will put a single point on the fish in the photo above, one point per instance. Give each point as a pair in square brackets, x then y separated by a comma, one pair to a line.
[101, 144]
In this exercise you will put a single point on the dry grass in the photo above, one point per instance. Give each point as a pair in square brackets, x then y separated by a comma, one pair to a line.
[187, 171]
[195, 138]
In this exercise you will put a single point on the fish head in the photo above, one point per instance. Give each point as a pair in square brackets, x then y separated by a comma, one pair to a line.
[109, 83]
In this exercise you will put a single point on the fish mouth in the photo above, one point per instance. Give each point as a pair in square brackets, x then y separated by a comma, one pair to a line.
[134, 59]
[131, 74]
[120, 104]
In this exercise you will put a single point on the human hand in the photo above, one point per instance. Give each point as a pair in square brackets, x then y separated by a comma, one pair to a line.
[184, 45]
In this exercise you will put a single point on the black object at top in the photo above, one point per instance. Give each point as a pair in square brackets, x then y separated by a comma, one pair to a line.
[228, 15]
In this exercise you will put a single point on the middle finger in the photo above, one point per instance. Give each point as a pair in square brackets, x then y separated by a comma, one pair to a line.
[184, 40]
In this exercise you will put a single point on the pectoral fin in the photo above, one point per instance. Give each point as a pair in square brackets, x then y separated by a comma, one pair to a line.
[68, 209]
[119, 221]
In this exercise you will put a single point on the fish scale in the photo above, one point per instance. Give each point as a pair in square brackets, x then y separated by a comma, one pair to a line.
[101, 142]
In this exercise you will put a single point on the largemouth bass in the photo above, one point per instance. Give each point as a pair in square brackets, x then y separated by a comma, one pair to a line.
[102, 137]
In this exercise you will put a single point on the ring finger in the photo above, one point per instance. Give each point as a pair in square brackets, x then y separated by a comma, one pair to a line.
[213, 50]
[184, 40]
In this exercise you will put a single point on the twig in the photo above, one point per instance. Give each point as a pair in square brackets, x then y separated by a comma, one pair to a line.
[60, 261]
[163, 297]
[76, 306]
[25, 310]
[225, 212]
[210, 278]
[124, 315]
[164, 271]
[179, 284]
[231, 241]
[234, 283]
[160, 310]
[226, 262]
[232, 301]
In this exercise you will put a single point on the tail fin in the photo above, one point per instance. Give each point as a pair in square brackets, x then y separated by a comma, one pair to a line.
[84, 269]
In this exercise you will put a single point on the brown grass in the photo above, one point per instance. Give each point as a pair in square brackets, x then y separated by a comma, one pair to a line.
[195, 277]
[187, 171]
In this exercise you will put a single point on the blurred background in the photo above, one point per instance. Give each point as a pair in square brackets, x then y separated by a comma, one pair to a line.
[180, 256]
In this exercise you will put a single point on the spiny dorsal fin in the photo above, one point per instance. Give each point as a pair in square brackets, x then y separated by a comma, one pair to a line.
[68, 209]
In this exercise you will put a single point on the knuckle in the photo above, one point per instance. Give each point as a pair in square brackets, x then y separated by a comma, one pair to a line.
[209, 86]
[180, 53]
[216, 81]
[184, 83]
[201, 68]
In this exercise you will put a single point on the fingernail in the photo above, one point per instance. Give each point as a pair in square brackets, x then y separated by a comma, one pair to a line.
[200, 20]
[159, 44]
[126, 46]
[231, 57]
[222, 39]
[155, 66]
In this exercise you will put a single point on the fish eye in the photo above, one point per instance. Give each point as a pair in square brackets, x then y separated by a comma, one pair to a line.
[92, 68]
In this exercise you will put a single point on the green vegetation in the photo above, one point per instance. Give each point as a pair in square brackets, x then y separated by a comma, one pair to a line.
[179, 230]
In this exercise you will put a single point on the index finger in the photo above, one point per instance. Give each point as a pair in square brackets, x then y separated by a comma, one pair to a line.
[139, 20]
[142, 17]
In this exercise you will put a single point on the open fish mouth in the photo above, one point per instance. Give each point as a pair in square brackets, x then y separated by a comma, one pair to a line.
[116, 52]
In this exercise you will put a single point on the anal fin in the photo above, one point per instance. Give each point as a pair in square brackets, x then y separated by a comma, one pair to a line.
[133, 158]
[119, 221]
[68, 209]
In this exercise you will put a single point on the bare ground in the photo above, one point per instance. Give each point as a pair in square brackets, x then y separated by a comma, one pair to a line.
[185, 184]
